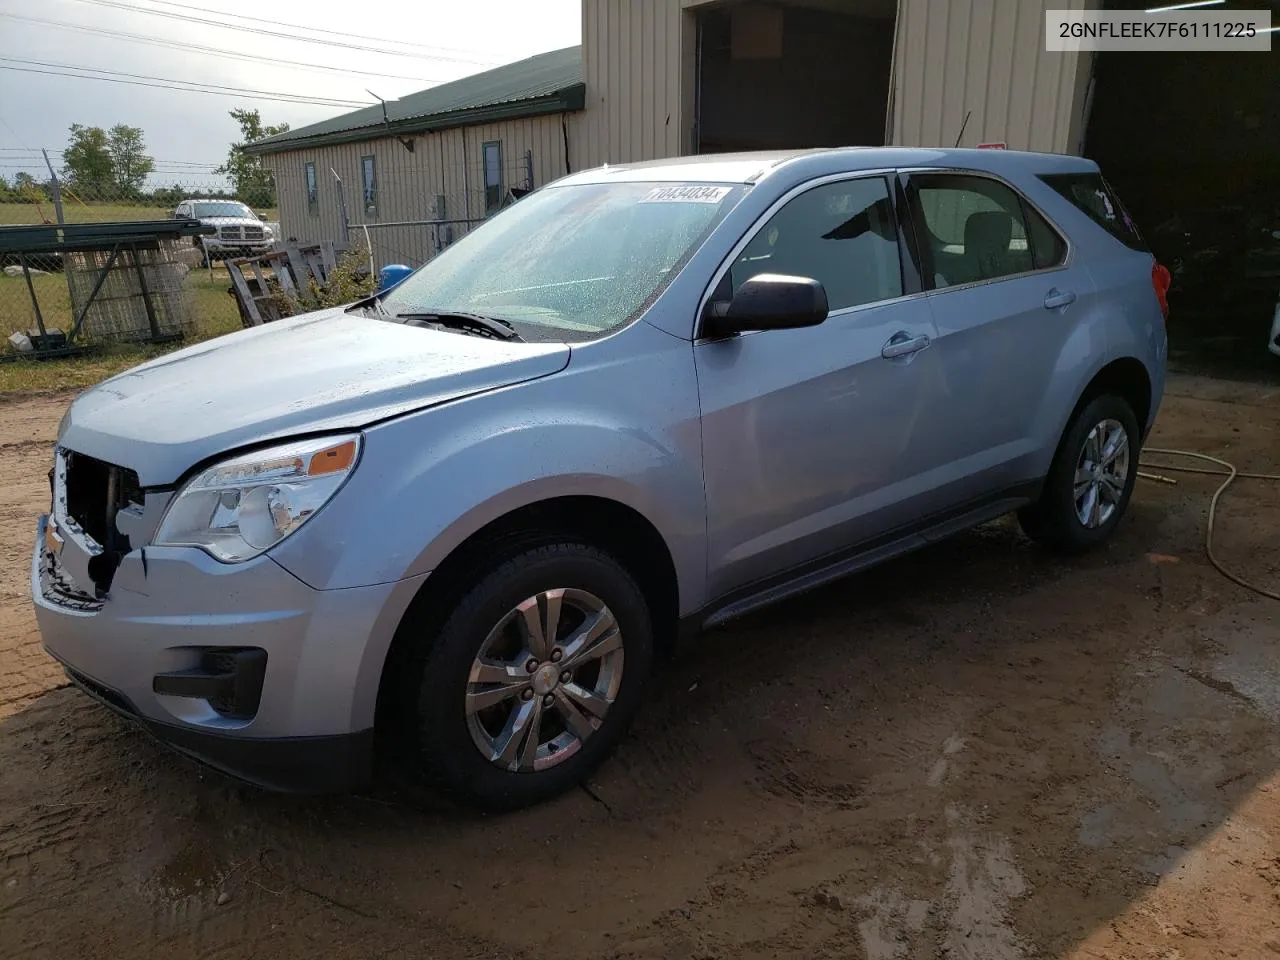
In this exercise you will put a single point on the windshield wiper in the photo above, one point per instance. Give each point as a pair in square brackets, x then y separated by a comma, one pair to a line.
[474, 322]
[375, 305]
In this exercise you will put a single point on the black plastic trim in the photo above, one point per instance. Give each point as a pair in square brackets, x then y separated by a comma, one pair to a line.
[908, 243]
[834, 566]
[330, 764]
[234, 692]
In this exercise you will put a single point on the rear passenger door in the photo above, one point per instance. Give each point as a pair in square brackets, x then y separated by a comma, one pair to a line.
[1005, 297]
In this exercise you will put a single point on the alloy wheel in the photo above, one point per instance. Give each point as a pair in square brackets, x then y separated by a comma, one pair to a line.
[544, 680]
[1102, 471]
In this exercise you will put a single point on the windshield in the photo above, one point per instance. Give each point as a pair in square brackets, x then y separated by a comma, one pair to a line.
[571, 262]
[203, 210]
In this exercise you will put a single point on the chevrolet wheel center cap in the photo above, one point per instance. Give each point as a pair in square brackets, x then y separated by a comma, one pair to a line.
[546, 679]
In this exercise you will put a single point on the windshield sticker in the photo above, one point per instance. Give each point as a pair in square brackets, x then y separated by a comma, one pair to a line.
[686, 195]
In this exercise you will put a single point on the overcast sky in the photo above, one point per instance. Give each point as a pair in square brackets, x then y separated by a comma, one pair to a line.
[188, 132]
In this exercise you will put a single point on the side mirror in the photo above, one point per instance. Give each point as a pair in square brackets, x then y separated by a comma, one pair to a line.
[769, 301]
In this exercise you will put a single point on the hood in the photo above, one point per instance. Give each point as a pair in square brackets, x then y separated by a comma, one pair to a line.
[321, 371]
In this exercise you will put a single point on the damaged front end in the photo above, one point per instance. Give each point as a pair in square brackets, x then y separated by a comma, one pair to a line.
[95, 504]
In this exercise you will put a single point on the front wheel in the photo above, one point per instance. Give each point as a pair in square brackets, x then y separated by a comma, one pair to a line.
[534, 677]
[1090, 481]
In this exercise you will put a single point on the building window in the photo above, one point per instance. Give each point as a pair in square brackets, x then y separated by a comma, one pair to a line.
[369, 180]
[313, 189]
[492, 175]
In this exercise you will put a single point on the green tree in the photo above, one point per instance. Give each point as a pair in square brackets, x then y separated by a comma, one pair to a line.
[130, 165]
[252, 181]
[168, 196]
[87, 161]
[25, 187]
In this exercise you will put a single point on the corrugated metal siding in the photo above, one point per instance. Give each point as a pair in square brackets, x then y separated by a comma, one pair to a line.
[988, 57]
[636, 57]
[449, 164]
[953, 56]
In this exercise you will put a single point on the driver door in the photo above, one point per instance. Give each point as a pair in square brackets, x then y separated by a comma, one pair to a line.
[812, 437]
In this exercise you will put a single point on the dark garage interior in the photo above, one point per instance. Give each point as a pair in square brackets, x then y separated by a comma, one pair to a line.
[1191, 143]
[804, 73]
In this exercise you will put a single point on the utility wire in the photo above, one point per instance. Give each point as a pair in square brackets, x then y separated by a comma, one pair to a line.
[161, 86]
[55, 154]
[146, 76]
[333, 33]
[211, 51]
[37, 155]
[165, 83]
[261, 32]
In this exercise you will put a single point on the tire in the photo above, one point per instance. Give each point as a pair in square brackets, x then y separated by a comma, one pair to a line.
[1054, 520]
[452, 724]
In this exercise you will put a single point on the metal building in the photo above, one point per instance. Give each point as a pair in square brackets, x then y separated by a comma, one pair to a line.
[684, 76]
[451, 153]
[656, 78]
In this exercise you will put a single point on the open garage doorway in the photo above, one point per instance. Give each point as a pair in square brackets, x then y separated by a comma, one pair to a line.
[1191, 143]
[792, 74]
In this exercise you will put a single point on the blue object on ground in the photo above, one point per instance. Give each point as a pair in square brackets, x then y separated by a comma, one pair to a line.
[390, 275]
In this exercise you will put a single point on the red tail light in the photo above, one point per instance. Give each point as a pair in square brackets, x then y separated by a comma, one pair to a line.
[1161, 280]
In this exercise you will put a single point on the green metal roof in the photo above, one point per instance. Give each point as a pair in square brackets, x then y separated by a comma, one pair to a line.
[546, 83]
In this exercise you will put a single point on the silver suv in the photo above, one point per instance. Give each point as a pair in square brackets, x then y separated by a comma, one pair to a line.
[467, 513]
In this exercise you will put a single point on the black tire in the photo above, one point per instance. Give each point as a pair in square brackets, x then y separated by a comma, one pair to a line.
[449, 755]
[1053, 519]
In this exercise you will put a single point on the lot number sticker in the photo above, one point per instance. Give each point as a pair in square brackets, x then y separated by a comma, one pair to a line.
[686, 195]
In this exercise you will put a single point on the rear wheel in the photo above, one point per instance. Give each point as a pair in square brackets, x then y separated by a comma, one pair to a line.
[534, 677]
[1090, 481]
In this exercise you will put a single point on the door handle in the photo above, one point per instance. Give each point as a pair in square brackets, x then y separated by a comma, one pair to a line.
[902, 344]
[1056, 298]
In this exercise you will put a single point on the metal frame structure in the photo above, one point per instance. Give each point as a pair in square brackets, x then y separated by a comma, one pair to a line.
[60, 239]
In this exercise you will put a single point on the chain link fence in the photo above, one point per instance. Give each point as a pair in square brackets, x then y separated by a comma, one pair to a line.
[153, 292]
[413, 220]
[405, 221]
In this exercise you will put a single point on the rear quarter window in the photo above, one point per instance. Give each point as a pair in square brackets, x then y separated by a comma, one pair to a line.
[1092, 195]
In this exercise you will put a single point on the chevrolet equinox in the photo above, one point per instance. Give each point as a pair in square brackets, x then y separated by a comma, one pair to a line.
[467, 512]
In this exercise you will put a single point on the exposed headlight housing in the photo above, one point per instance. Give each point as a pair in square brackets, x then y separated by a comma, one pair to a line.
[242, 507]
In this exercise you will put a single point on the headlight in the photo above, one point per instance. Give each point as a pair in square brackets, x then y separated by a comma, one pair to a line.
[244, 506]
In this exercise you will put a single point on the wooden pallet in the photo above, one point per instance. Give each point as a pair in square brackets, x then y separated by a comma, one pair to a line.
[254, 280]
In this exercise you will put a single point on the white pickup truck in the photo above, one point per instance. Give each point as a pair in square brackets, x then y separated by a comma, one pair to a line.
[241, 233]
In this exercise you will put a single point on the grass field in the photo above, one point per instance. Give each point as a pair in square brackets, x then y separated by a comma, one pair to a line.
[12, 214]
[215, 314]
[215, 310]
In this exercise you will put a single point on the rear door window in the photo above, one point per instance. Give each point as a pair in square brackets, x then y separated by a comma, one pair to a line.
[973, 228]
[1092, 195]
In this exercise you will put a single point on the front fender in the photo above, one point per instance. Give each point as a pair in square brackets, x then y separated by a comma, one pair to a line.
[428, 481]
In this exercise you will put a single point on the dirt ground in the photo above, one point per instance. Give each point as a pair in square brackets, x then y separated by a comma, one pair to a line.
[978, 752]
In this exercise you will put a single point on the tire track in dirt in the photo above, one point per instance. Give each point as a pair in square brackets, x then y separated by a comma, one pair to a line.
[975, 751]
